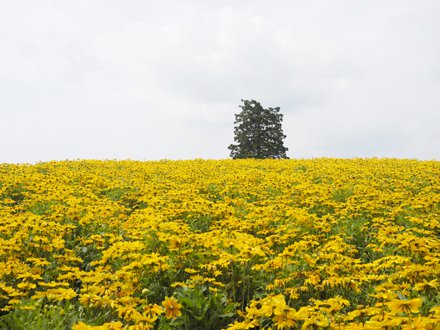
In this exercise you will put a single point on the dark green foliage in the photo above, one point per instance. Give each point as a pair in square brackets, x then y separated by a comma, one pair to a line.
[258, 132]
[199, 222]
[37, 316]
[14, 192]
[202, 310]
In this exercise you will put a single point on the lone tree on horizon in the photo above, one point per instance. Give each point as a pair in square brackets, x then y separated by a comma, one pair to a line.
[258, 132]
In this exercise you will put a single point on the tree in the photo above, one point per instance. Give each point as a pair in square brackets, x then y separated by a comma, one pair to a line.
[258, 132]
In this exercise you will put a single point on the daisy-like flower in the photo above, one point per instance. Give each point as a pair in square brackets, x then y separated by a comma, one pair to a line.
[153, 309]
[26, 286]
[402, 306]
[172, 307]
[425, 285]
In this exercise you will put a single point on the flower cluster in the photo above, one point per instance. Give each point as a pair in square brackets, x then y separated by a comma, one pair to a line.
[237, 244]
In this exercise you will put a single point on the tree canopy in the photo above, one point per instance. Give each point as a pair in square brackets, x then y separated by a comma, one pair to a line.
[258, 132]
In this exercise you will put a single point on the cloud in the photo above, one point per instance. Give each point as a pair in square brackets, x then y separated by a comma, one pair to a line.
[150, 80]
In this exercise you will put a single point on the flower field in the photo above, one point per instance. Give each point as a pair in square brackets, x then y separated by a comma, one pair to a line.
[227, 244]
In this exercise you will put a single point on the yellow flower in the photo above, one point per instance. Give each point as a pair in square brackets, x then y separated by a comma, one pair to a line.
[420, 323]
[285, 319]
[81, 326]
[191, 271]
[172, 307]
[105, 326]
[153, 309]
[26, 286]
[402, 306]
[435, 310]
[434, 284]
[57, 294]
[241, 325]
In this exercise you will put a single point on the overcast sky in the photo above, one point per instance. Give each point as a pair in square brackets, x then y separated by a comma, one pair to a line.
[155, 80]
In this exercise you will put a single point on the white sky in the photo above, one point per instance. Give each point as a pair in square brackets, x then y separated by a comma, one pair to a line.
[151, 80]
